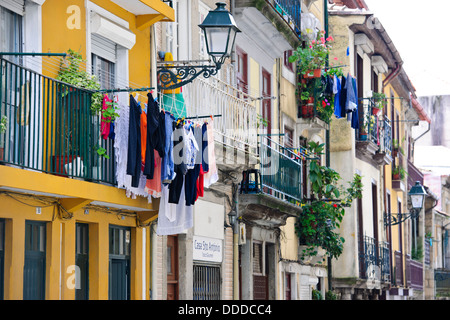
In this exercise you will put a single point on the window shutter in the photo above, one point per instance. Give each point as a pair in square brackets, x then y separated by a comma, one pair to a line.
[16, 6]
[103, 47]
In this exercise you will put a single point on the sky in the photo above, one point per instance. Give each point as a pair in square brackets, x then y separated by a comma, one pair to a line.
[420, 32]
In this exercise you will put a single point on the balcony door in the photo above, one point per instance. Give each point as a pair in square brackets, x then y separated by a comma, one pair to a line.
[119, 263]
[34, 266]
[266, 93]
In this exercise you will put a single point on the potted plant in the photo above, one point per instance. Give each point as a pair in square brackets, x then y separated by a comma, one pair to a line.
[67, 146]
[396, 148]
[379, 102]
[398, 173]
[316, 295]
[312, 57]
[3, 127]
[70, 72]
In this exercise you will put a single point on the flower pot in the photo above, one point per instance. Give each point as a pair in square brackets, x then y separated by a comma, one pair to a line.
[363, 136]
[394, 152]
[310, 74]
[308, 108]
[375, 110]
[396, 176]
[60, 165]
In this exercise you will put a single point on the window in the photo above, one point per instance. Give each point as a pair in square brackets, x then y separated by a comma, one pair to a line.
[241, 70]
[288, 64]
[104, 56]
[206, 283]
[104, 70]
[258, 258]
[171, 35]
[203, 12]
[11, 32]
[267, 101]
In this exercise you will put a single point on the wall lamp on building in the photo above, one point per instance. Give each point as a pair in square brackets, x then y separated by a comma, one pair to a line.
[416, 196]
[219, 29]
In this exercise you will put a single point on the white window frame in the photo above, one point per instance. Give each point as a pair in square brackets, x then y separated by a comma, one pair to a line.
[121, 63]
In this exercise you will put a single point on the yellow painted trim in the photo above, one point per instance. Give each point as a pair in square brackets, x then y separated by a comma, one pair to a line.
[73, 204]
[46, 183]
[162, 8]
[146, 20]
[146, 217]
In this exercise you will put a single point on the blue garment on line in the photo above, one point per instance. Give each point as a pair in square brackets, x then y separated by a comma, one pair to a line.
[355, 115]
[167, 164]
[337, 101]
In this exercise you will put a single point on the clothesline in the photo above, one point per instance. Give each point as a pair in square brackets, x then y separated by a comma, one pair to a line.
[157, 156]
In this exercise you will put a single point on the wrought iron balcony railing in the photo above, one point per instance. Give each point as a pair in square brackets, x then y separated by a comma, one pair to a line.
[237, 125]
[291, 11]
[50, 128]
[442, 278]
[280, 174]
[374, 261]
[281, 171]
[375, 132]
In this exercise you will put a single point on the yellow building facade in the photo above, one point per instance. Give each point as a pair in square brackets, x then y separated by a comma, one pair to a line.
[50, 222]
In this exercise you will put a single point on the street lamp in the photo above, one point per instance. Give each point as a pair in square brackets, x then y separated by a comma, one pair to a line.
[416, 196]
[220, 31]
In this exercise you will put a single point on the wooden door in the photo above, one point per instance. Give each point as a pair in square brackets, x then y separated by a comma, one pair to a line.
[172, 268]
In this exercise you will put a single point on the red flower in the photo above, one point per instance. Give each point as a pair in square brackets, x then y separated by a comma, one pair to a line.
[335, 205]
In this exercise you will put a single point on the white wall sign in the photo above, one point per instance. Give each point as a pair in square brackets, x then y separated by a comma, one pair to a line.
[207, 249]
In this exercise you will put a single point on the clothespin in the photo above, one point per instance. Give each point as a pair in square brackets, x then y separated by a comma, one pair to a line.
[212, 119]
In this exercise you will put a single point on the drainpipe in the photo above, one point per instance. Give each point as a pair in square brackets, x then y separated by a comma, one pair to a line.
[235, 228]
[327, 143]
[392, 75]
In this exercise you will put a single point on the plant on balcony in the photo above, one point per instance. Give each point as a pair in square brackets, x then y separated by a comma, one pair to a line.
[3, 127]
[3, 124]
[398, 173]
[316, 295]
[417, 252]
[313, 56]
[322, 214]
[330, 295]
[396, 148]
[379, 102]
[70, 72]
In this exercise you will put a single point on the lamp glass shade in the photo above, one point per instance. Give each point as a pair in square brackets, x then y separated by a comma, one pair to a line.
[417, 201]
[217, 40]
[220, 31]
[417, 195]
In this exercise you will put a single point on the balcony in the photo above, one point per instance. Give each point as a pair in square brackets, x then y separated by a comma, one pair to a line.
[374, 260]
[236, 124]
[274, 192]
[442, 278]
[374, 138]
[50, 127]
[284, 17]
[414, 273]
[314, 112]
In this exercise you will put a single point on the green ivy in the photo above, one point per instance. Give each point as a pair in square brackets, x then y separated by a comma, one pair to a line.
[318, 224]
[70, 72]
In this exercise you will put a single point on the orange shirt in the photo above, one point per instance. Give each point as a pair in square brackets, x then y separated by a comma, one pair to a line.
[143, 135]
